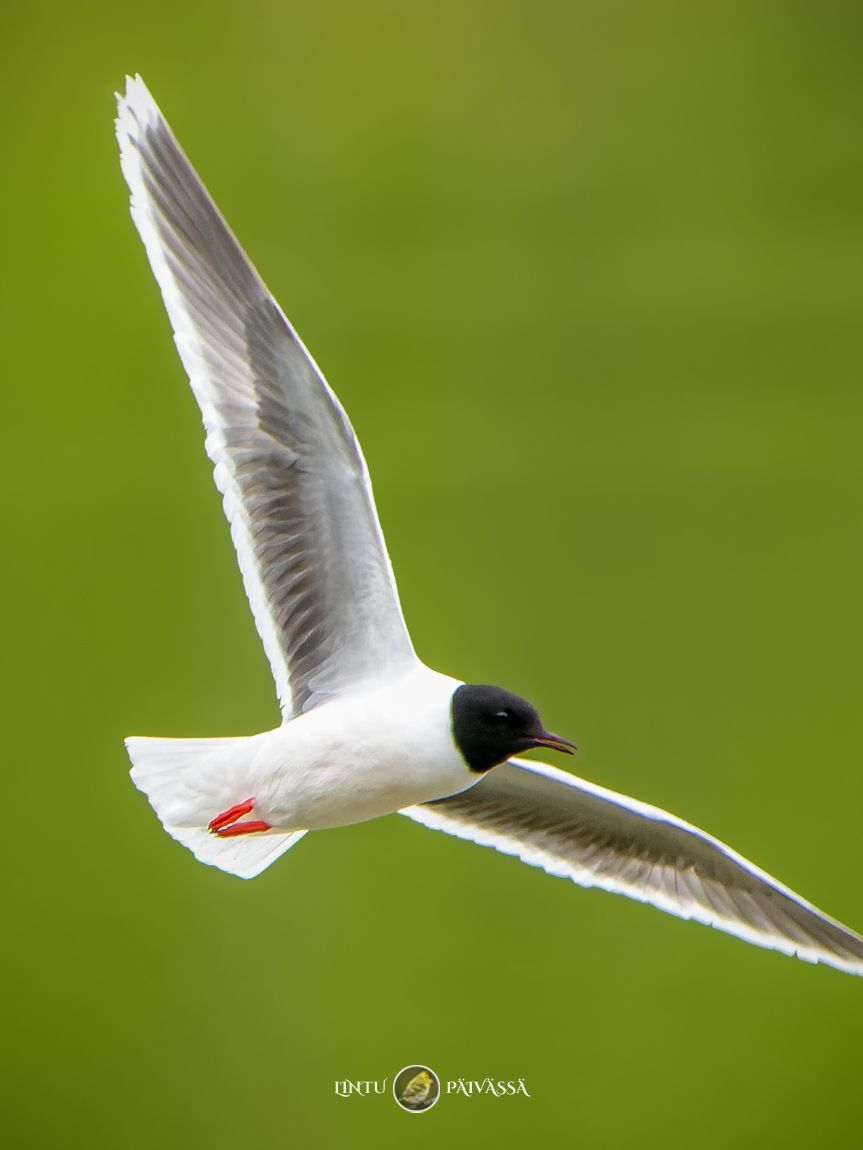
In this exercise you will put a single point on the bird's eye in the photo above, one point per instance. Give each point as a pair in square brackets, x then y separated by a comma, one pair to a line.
[503, 715]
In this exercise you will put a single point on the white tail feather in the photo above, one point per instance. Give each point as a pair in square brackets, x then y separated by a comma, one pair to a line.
[188, 783]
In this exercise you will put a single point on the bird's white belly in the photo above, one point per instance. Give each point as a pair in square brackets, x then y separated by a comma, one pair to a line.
[360, 758]
[345, 790]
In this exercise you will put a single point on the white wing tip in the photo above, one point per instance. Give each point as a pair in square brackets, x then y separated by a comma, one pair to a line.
[136, 108]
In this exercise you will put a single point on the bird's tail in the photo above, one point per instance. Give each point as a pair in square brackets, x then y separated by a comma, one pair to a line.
[188, 783]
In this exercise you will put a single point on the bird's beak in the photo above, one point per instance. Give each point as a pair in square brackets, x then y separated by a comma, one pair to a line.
[553, 742]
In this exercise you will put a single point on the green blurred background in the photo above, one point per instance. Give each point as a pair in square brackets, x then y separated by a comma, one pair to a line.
[587, 278]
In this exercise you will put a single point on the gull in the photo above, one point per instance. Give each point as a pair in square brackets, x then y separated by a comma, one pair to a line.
[367, 728]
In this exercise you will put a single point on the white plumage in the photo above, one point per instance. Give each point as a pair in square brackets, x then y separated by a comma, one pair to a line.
[367, 728]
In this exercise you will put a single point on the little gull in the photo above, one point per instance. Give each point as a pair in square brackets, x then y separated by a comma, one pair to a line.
[367, 729]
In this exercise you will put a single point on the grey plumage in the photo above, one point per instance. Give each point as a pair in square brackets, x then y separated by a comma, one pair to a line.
[296, 486]
[596, 837]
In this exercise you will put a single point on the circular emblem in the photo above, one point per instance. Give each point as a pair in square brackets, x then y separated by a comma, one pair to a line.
[416, 1088]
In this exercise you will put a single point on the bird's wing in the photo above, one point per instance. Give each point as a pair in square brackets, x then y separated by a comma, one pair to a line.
[295, 485]
[575, 829]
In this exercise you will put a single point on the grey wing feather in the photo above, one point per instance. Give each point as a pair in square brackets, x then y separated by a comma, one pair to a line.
[596, 837]
[295, 485]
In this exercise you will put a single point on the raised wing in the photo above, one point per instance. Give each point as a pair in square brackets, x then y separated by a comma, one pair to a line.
[577, 830]
[295, 485]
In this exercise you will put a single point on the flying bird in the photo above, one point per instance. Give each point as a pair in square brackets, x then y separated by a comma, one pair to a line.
[367, 728]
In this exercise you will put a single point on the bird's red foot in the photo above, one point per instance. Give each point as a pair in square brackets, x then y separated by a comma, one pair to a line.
[247, 828]
[231, 815]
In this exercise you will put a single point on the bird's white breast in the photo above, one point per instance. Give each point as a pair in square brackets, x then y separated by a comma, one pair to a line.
[362, 755]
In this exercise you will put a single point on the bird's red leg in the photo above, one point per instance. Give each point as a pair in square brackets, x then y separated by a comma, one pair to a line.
[247, 828]
[231, 815]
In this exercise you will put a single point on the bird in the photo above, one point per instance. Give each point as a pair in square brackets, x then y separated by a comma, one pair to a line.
[415, 1094]
[367, 728]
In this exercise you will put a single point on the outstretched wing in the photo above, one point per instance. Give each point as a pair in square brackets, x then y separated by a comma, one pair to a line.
[295, 485]
[575, 829]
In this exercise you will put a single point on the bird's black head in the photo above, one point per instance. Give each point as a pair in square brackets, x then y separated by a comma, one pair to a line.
[490, 725]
